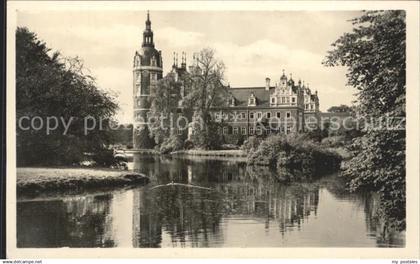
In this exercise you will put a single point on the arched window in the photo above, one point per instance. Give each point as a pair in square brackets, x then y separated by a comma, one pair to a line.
[136, 61]
[138, 77]
[138, 89]
[273, 100]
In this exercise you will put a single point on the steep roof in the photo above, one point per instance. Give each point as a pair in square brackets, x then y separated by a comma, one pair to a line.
[147, 53]
[242, 95]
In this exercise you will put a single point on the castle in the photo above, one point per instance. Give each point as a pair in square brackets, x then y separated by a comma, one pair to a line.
[285, 107]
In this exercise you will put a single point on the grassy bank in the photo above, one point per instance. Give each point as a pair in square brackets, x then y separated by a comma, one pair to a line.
[33, 181]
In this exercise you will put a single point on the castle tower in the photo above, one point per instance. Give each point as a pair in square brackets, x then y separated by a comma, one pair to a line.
[147, 70]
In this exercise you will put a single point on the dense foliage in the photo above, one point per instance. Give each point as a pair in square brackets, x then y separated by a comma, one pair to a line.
[164, 104]
[49, 85]
[122, 135]
[292, 153]
[251, 144]
[340, 109]
[170, 144]
[374, 53]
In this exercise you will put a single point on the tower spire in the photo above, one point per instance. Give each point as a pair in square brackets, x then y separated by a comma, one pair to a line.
[148, 33]
[148, 22]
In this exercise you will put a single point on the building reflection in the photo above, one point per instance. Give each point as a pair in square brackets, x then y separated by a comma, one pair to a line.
[192, 217]
[183, 215]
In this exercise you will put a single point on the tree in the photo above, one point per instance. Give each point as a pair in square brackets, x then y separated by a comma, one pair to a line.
[164, 105]
[164, 112]
[374, 53]
[340, 109]
[55, 86]
[123, 134]
[205, 91]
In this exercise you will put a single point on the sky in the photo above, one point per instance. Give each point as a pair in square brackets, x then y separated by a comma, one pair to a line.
[252, 44]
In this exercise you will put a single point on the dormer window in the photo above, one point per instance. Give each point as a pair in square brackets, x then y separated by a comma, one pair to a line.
[232, 101]
[252, 100]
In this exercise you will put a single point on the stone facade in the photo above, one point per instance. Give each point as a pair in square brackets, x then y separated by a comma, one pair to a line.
[282, 108]
[147, 70]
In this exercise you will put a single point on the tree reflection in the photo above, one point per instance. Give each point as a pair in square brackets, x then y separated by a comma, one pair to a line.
[185, 216]
[74, 222]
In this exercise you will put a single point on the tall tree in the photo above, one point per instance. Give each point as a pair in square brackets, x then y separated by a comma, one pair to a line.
[374, 53]
[55, 86]
[205, 91]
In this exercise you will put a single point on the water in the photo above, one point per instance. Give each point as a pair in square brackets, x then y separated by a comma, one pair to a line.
[240, 206]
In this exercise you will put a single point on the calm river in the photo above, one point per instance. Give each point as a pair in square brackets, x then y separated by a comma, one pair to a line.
[235, 206]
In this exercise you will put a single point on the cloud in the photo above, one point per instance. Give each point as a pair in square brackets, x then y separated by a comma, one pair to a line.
[265, 58]
[178, 38]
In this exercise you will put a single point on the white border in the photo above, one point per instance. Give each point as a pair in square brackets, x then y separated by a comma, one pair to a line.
[412, 242]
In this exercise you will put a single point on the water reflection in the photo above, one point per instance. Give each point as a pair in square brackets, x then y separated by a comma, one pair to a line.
[242, 207]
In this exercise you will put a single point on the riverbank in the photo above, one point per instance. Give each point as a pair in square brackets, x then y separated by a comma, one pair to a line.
[211, 153]
[33, 181]
[142, 151]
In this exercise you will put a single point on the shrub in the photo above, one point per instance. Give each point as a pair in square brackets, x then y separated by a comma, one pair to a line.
[206, 137]
[267, 151]
[251, 144]
[288, 152]
[333, 142]
[170, 144]
[236, 139]
[188, 144]
[104, 157]
[229, 147]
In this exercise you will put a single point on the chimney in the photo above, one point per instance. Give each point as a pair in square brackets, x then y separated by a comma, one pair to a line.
[267, 84]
